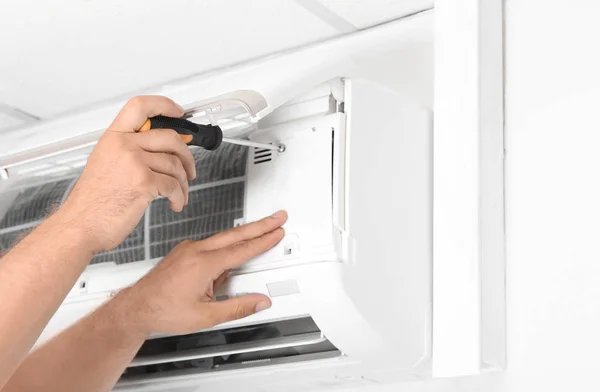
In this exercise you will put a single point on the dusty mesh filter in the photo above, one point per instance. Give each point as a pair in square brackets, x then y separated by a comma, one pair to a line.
[33, 204]
[216, 201]
[28, 208]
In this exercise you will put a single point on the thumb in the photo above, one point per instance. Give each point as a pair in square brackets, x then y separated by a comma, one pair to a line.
[239, 307]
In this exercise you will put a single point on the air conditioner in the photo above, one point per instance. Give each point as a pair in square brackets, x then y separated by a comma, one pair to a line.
[352, 281]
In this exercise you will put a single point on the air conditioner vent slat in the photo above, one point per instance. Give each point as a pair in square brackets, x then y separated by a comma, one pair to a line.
[262, 155]
[265, 344]
[236, 348]
[262, 161]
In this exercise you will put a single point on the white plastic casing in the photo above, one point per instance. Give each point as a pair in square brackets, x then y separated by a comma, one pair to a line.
[369, 285]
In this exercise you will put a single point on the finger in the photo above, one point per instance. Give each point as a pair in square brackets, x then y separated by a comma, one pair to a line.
[245, 232]
[220, 280]
[169, 187]
[138, 109]
[237, 308]
[170, 165]
[237, 254]
[168, 141]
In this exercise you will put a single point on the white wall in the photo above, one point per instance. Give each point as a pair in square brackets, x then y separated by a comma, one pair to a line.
[553, 201]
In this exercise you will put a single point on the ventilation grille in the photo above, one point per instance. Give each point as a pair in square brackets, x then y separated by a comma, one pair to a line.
[210, 210]
[262, 155]
[31, 205]
[27, 208]
[235, 348]
[216, 201]
[9, 239]
[130, 250]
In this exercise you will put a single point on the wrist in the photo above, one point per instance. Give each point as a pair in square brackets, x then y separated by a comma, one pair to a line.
[131, 313]
[118, 322]
[61, 225]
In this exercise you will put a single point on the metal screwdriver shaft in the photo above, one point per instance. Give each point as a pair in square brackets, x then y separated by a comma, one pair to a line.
[243, 142]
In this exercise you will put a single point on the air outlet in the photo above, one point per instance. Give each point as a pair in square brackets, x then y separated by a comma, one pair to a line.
[282, 341]
[262, 155]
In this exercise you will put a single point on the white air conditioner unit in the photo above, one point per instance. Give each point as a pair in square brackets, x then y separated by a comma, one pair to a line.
[352, 281]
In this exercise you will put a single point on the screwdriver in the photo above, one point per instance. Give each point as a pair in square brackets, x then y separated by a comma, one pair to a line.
[208, 137]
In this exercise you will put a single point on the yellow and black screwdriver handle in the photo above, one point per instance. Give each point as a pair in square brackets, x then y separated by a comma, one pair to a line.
[205, 136]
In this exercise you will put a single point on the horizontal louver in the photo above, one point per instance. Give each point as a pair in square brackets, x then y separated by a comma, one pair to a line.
[249, 346]
[235, 348]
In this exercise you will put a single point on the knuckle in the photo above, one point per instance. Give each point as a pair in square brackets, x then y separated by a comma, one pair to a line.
[135, 102]
[114, 141]
[220, 271]
[135, 158]
[182, 250]
[184, 247]
[191, 249]
[174, 161]
[185, 243]
[142, 178]
[188, 155]
[239, 311]
[245, 245]
[146, 178]
[176, 164]
[172, 185]
[233, 232]
[173, 135]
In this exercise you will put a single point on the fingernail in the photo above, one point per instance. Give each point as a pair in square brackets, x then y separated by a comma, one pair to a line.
[262, 306]
[278, 214]
[180, 108]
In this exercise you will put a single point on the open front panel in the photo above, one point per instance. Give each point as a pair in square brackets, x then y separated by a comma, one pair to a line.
[61, 146]
[233, 112]
[235, 185]
[301, 180]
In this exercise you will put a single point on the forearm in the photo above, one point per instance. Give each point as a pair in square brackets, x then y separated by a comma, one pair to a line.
[35, 277]
[90, 356]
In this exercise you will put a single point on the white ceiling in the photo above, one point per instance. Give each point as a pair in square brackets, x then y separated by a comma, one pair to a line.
[366, 13]
[63, 55]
